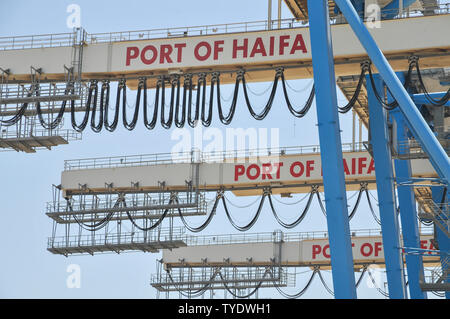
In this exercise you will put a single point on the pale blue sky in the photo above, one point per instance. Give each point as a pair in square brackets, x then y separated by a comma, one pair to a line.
[27, 269]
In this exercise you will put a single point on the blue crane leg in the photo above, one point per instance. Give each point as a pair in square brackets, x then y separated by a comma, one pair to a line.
[331, 151]
[386, 192]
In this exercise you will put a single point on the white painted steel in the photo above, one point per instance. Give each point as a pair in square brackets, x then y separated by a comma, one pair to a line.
[305, 252]
[393, 37]
[281, 170]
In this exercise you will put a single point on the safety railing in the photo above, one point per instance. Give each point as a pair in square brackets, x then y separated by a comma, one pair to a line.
[411, 148]
[114, 239]
[32, 129]
[68, 39]
[186, 276]
[196, 156]
[268, 237]
[149, 205]
[37, 41]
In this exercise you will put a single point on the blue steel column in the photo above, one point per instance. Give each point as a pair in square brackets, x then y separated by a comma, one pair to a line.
[443, 240]
[331, 151]
[386, 192]
[407, 204]
[420, 129]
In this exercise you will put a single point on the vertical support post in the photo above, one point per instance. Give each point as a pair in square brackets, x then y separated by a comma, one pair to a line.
[386, 193]
[408, 213]
[269, 14]
[331, 151]
[279, 14]
[440, 195]
[407, 204]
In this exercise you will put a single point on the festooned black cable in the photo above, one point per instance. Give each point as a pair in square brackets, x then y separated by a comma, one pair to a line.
[207, 221]
[197, 292]
[98, 127]
[130, 126]
[304, 110]
[375, 284]
[156, 224]
[251, 223]
[111, 127]
[358, 200]
[387, 106]
[54, 124]
[269, 103]
[229, 117]
[165, 123]
[80, 127]
[325, 284]
[298, 220]
[414, 62]
[16, 118]
[179, 122]
[324, 211]
[95, 226]
[355, 207]
[302, 291]
[242, 296]
[361, 276]
[207, 119]
[187, 90]
[151, 125]
[372, 211]
[354, 98]
[201, 100]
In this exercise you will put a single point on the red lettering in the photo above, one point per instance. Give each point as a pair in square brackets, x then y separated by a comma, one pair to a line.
[258, 47]
[154, 54]
[378, 248]
[423, 244]
[309, 168]
[299, 44]
[325, 248]
[243, 48]
[239, 170]
[353, 166]
[316, 249]
[300, 172]
[271, 45]
[371, 166]
[347, 172]
[166, 51]
[132, 53]
[278, 168]
[258, 172]
[361, 164]
[179, 47]
[202, 44]
[217, 49]
[284, 43]
[363, 250]
[266, 170]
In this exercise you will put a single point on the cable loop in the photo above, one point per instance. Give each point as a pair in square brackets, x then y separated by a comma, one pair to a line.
[279, 71]
[240, 74]
[215, 76]
[365, 65]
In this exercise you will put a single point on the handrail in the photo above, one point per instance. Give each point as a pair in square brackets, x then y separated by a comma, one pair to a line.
[197, 156]
[68, 39]
[190, 240]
